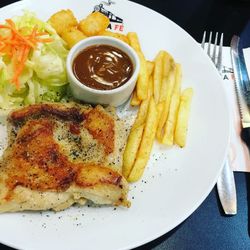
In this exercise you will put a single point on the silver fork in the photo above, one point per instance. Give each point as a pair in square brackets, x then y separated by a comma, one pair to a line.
[225, 183]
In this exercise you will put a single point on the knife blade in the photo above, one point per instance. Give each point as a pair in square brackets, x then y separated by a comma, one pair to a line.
[226, 190]
[242, 87]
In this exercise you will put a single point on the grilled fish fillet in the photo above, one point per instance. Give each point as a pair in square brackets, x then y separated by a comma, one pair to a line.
[61, 154]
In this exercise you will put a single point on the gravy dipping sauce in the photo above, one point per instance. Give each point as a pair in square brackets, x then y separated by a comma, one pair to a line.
[102, 67]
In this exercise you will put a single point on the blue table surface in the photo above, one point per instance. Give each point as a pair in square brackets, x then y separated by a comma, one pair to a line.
[207, 227]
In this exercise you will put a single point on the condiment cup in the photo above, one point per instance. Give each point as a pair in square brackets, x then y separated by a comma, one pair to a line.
[114, 97]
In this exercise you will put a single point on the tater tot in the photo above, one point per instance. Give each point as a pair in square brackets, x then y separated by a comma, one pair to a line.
[63, 20]
[94, 24]
[72, 36]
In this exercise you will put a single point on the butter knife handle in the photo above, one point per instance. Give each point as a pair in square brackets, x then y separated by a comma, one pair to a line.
[245, 135]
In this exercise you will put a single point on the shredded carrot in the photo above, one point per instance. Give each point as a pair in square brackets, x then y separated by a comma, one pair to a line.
[18, 46]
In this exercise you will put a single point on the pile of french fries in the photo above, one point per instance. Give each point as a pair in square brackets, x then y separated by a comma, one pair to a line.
[72, 31]
[163, 109]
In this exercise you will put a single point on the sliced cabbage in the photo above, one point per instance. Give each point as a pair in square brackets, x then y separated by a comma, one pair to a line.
[49, 66]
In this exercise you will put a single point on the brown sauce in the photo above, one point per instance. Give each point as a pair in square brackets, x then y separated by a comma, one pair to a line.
[102, 67]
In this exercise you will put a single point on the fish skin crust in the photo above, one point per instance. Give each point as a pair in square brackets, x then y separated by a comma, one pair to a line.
[58, 155]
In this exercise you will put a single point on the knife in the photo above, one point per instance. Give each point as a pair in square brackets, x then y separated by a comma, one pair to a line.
[242, 86]
[226, 183]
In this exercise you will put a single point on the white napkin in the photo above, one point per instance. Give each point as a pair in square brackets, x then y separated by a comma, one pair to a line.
[239, 157]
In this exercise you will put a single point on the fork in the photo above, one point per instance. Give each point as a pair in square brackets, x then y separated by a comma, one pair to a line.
[225, 183]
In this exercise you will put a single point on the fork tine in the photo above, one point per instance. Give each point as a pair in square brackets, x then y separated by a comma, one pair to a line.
[215, 48]
[219, 61]
[213, 57]
[209, 43]
[203, 40]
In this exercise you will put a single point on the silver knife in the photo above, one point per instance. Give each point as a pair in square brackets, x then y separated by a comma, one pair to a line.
[242, 86]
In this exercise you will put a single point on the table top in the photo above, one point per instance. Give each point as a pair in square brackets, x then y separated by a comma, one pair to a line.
[207, 227]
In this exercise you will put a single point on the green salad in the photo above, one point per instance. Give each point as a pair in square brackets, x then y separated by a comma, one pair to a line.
[43, 77]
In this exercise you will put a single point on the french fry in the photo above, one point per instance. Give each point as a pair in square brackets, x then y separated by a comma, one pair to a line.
[135, 135]
[120, 36]
[178, 77]
[158, 75]
[180, 134]
[167, 76]
[167, 63]
[169, 128]
[150, 68]
[166, 103]
[142, 82]
[142, 114]
[134, 41]
[170, 85]
[160, 107]
[150, 86]
[135, 101]
[147, 141]
[168, 137]
[131, 149]
[143, 109]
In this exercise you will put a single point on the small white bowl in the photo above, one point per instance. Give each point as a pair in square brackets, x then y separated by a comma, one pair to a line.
[114, 97]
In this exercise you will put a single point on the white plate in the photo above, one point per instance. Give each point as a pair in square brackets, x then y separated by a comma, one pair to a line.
[176, 180]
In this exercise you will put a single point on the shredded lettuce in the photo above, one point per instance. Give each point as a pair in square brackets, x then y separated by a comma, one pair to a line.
[44, 76]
